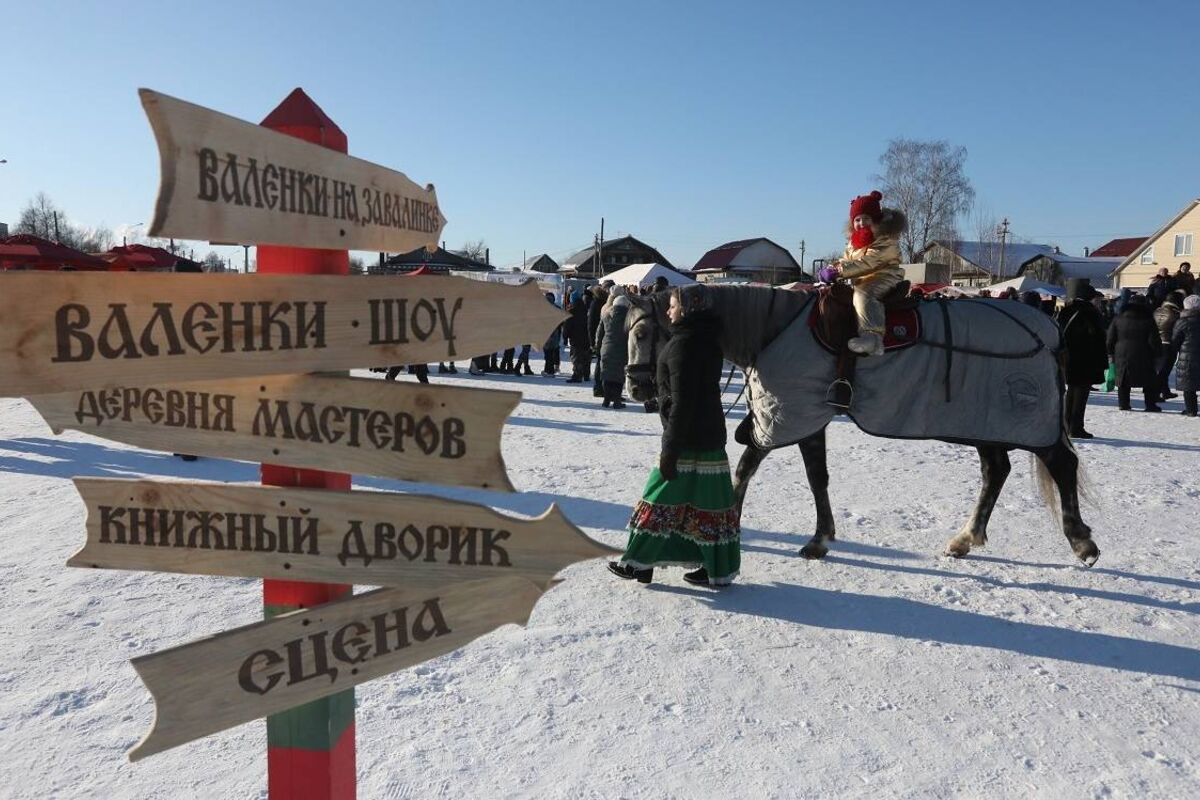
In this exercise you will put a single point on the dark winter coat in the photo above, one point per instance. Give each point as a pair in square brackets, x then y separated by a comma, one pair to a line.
[1185, 282]
[599, 299]
[1185, 341]
[612, 342]
[1084, 356]
[1134, 344]
[1164, 319]
[1159, 288]
[575, 328]
[689, 385]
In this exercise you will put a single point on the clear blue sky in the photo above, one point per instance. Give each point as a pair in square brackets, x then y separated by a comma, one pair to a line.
[686, 124]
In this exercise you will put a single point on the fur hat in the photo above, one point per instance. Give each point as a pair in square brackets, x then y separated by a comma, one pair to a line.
[1191, 302]
[866, 204]
[621, 302]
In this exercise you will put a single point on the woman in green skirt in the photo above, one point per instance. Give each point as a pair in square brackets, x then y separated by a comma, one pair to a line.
[686, 516]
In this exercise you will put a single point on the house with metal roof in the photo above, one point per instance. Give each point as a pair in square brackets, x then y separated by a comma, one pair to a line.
[1058, 268]
[542, 263]
[982, 263]
[441, 261]
[615, 254]
[1117, 248]
[760, 260]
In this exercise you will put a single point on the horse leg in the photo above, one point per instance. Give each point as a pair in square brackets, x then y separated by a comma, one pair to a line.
[815, 466]
[995, 466]
[1061, 465]
[752, 456]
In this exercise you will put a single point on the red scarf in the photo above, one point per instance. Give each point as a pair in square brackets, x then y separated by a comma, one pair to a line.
[862, 238]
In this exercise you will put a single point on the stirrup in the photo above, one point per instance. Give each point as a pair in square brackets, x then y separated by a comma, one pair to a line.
[840, 394]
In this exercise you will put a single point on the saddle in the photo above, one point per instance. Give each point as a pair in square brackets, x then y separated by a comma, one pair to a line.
[834, 323]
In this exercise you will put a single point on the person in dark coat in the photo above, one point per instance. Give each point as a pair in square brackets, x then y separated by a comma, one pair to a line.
[612, 342]
[1161, 285]
[1133, 343]
[599, 295]
[1185, 344]
[687, 515]
[552, 347]
[575, 330]
[1085, 358]
[1185, 281]
[1165, 317]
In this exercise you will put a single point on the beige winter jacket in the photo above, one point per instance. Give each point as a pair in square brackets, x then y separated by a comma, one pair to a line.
[882, 254]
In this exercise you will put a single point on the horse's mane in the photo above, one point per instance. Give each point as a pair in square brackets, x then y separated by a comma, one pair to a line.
[751, 316]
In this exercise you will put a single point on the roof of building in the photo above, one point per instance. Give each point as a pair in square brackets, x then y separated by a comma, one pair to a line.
[986, 255]
[535, 259]
[440, 260]
[1119, 248]
[586, 253]
[721, 256]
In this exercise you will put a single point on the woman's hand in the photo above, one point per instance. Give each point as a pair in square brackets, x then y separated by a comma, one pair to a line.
[668, 465]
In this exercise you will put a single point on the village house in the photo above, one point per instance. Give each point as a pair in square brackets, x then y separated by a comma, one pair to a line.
[1117, 248]
[975, 264]
[1173, 244]
[760, 260]
[441, 261]
[617, 253]
[1057, 268]
[542, 263]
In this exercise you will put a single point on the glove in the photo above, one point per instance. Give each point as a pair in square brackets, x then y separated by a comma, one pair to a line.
[667, 462]
[829, 274]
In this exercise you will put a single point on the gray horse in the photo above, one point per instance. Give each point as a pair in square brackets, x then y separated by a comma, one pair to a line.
[979, 373]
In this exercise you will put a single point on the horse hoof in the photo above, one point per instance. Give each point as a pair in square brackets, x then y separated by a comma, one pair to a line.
[814, 550]
[1086, 551]
[979, 540]
[958, 549]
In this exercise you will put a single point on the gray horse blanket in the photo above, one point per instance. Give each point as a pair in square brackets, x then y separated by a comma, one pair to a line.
[982, 371]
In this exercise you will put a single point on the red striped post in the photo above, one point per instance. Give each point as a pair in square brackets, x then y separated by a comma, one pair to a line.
[310, 749]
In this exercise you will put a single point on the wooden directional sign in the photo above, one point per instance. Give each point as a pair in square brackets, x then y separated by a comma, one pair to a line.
[372, 538]
[246, 673]
[63, 331]
[410, 431]
[227, 180]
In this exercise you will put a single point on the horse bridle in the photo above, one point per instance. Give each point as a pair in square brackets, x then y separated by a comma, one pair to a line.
[645, 372]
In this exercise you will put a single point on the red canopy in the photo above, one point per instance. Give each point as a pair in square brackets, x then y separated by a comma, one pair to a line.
[141, 256]
[24, 251]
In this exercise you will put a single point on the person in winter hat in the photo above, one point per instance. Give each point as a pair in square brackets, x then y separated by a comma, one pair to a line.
[1165, 317]
[575, 330]
[1160, 286]
[872, 264]
[1085, 357]
[1185, 344]
[612, 343]
[1185, 281]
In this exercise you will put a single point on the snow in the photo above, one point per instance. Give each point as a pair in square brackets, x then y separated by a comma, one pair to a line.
[884, 671]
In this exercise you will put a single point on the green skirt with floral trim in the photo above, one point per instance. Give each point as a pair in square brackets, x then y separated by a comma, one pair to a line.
[690, 521]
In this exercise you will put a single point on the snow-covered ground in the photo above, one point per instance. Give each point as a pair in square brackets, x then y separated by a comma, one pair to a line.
[884, 671]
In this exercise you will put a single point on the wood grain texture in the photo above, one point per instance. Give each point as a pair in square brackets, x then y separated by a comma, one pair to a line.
[415, 432]
[234, 677]
[227, 180]
[370, 538]
[64, 331]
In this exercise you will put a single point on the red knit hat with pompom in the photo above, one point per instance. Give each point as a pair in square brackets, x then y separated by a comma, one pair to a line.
[867, 204]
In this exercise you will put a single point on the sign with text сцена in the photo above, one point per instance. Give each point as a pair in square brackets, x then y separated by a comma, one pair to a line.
[410, 431]
[227, 180]
[250, 672]
[373, 538]
[64, 331]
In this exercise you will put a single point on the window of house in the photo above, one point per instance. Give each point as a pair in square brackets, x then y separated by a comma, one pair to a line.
[1183, 244]
[1148, 255]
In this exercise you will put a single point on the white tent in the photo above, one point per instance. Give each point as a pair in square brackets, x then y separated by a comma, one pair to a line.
[1024, 283]
[644, 275]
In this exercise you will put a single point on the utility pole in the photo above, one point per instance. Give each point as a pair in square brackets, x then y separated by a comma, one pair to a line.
[801, 276]
[600, 248]
[246, 262]
[56, 238]
[1002, 231]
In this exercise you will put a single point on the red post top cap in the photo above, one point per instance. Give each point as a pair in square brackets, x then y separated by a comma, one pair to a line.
[298, 115]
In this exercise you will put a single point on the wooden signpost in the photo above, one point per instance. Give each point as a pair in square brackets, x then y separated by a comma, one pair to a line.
[372, 538]
[246, 673]
[209, 364]
[227, 180]
[414, 432]
[65, 331]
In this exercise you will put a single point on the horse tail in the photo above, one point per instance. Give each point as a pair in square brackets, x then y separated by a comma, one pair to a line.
[1048, 489]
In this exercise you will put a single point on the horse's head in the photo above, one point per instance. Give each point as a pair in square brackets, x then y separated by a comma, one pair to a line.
[646, 327]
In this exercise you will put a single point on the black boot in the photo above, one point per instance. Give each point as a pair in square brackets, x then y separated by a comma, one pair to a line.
[631, 573]
[697, 577]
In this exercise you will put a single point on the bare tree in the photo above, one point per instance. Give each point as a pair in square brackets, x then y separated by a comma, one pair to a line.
[927, 182]
[357, 266]
[40, 217]
[476, 251]
[213, 262]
